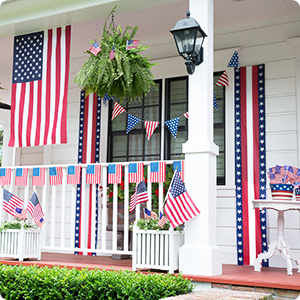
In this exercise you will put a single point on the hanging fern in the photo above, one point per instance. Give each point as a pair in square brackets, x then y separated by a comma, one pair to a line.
[128, 75]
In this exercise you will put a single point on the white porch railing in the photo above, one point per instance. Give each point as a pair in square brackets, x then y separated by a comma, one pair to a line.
[59, 206]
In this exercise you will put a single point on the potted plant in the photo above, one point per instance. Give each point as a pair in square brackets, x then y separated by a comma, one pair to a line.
[19, 239]
[155, 247]
[125, 74]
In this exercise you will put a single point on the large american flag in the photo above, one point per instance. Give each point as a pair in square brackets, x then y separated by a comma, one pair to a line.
[250, 162]
[179, 207]
[88, 153]
[40, 88]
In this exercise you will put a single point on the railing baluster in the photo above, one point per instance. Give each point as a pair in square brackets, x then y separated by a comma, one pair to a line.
[160, 196]
[53, 215]
[126, 210]
[1, 205]
[73, 210]
[115, 216]
[45, 206]
[149, 189]
[63, 208]
[83, 240]
[104, 207]
[93, 235]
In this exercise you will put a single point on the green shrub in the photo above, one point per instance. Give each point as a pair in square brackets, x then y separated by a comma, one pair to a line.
[20, 282]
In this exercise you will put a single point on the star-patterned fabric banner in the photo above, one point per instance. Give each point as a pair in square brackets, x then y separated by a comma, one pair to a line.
[131, 122]
[88, 153]
[234, 61]
[250, 162]
[173, 126]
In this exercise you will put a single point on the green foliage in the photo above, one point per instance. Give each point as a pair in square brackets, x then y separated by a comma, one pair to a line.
[127, 75]
[151, 224]
[34, 283]
[17, 224]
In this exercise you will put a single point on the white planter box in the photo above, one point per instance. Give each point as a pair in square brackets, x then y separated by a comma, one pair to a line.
[154, 249]
[20, 244]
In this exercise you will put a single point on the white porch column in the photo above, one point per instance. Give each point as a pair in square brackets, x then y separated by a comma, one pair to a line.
[200, 254]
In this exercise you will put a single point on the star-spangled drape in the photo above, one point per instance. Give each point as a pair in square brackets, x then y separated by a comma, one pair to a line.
[131, 122]
[88, 153]
[173, 126]
[250, 162]
[234, 61]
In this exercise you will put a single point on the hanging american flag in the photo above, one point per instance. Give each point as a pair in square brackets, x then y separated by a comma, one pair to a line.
[140, 195]
[35, 209]
[11, 202]
[223, 80]
[130, 44]
[55, 175]
[186, 114]
[93, 174]
[150, 126]
[38, 176]
[179, 207]
[157, 171]
[88, 153]
[114, 172]
[5, 176]
[40, 88]
[250, 162]
[179, 166]
[136, 172]
[95, 49]
[73, 175]
[21, 176]
[118, 109]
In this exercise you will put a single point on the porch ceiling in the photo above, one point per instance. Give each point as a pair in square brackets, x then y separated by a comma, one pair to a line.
[155, 18]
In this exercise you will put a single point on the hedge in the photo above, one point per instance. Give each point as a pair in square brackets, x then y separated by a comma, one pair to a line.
[32, 282]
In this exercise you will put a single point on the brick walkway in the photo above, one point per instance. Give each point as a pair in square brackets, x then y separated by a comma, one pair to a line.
[213, 294]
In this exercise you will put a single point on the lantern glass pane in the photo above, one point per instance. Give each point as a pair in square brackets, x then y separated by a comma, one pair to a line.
[185, 40]
[199, 42]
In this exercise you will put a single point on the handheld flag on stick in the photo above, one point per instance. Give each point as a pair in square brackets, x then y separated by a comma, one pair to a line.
[140, 195]
[112, 53]
[162, 220]
[149, 214]
[132, 44]
[11, 203]
[20, 213]
[95, 49]
[179, 207]
[35, 209]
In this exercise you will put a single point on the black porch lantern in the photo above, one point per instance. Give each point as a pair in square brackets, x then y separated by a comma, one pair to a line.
[189, 39]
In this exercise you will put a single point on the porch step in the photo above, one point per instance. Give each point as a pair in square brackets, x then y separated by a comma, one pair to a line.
[214, 294]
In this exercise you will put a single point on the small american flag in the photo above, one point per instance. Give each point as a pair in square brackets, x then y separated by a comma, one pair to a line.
[20, 213]
[136, 172]
[93, 174]
[38, 176]
[118, 109]
[158, 171]
[140, 195]
[5, 176]
[114, 173]
[112, 52]
[150, 127]
[162, 220]
[35, 209]
[132, 44]
[149, 214]
[21, 176]
[73, 176]
[55, 175]
[11, 202]
[186, 114]
[179, 207]
[95, 49]
[223, 80]
[179, 164]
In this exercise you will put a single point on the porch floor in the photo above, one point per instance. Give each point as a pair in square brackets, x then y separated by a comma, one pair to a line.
[232, 274]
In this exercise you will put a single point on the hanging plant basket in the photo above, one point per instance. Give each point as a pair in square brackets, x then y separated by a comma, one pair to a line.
[128, 74]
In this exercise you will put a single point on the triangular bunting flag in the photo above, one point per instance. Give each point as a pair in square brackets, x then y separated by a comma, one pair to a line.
[131, 122]
[186, 114]
[215, 102]
[223, 80]
[118, 109]
[173, 126]
[150, 127]
[234, 61]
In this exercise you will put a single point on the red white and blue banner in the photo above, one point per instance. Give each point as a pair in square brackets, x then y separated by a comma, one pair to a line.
[39, 89]
[93, 174]
[88, 153]
[158, 171]
[55, 175]
[73, 175]
[38, 176]
[250, 162]
[5, 176]
[114, 173]
[21, 176]
[135, 172]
